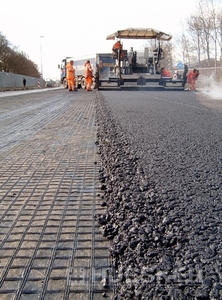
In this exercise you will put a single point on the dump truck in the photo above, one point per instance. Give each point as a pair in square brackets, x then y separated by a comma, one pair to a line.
[103, 65]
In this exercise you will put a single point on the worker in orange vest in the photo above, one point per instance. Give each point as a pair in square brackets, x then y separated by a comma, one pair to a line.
[165, 73]
[118, 47]
[192, 78]
[88, 72]
[70, 75]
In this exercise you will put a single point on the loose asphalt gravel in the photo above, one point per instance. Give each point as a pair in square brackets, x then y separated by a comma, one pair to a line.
[161, 177]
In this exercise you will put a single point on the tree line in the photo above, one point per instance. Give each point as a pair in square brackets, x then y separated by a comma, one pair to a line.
[14, 61]
[200, 42]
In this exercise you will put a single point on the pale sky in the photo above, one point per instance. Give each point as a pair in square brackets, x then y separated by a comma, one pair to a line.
[79, 28]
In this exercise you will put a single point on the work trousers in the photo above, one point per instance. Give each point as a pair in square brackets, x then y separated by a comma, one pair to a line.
[71, 84]
[88, 83]
[192, 84]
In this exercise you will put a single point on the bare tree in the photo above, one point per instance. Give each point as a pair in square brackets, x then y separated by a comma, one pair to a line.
[4, 48]
[183, 48]
[168, 61]
[219, 30]
[202, 33]
[14, 61]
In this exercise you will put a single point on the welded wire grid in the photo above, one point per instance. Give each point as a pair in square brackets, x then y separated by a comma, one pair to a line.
[50, 244]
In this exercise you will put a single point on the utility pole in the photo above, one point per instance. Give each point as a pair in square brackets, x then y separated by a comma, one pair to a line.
[221, 38]
[41, 54]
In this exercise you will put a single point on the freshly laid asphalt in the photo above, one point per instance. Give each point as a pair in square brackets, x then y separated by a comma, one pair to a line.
[161, 156]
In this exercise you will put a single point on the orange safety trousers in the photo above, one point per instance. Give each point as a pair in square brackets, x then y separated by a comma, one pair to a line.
[88, 82]
[191, 81]
[71, 83]
[193, 85]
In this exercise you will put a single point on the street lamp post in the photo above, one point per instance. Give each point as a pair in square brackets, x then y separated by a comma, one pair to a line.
[41, 54]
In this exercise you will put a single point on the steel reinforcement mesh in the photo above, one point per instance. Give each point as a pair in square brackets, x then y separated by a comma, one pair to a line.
[50, 244]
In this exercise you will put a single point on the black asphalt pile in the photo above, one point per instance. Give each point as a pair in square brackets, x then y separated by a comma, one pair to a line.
[163, 198]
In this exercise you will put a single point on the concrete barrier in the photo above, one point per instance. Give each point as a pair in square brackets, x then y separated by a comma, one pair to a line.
[9, 81]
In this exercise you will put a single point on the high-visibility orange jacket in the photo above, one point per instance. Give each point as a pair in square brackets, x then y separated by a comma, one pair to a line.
[117, 46]
[88, 72]
[196, 74]
[70, 71]
[165, 73]
[190, 77]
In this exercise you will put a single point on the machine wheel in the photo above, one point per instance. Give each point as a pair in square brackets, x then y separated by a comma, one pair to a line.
[93, 86]
[65, 83]
[83, 83]
[77, 82]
